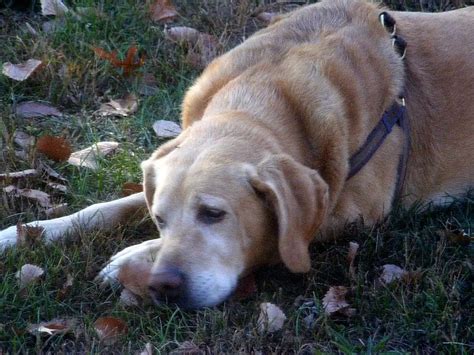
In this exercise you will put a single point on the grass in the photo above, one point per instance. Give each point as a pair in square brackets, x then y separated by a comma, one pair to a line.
[432, 314]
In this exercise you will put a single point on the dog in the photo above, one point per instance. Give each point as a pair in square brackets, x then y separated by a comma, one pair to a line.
[278, 146]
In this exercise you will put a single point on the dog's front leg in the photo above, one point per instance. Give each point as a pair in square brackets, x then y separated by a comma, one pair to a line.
[103, 216]
[143, 253]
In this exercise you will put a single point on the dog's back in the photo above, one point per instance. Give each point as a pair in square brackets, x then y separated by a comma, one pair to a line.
[436, 77]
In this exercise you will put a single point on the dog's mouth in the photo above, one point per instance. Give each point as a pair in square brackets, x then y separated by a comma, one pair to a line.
[245, 288]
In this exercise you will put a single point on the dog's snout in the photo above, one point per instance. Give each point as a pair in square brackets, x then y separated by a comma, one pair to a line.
[166, 285]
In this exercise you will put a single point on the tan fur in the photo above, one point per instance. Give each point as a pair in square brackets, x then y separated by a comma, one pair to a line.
[269, 130]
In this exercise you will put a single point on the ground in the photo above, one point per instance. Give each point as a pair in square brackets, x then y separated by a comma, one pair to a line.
[432, 312]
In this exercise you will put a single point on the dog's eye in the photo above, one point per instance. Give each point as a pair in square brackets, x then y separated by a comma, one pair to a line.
[210, 215]
[160, 221]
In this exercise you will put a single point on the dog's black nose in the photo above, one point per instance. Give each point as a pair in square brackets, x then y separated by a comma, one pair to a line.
[166, 285]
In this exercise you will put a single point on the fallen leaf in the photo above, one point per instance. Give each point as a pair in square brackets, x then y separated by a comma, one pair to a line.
[351, 254]
[56, 211]
[21, 71]
[266, 17]
[53, 327]
[334, 301]
[163, 11]
[29, 274]
[89, 157]
[55, 148]
[67, 286]
[110, 329]
[246, 287]
[202, 47]
[134, 277]
[187, 348]
[166, 129]
[23, 139]
[49, 171]
[57, 187]
[129, 64]
[391, 273]
[148, 350]
[148, 85]
[53, 7]
[271, 318]
[15, 175]
[130, 188]
[128, 298]
[28, 235]
[120, 107]
[40, 197]
[31, 109]
[455, 236]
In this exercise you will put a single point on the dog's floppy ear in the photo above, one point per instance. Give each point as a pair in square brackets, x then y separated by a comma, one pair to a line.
[149, 170]
[299, 197]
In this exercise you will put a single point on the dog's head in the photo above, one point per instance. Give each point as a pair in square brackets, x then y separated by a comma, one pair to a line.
[222, 209]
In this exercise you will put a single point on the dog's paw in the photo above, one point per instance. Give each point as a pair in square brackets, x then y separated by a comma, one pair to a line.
[8, 238]
[141, 253]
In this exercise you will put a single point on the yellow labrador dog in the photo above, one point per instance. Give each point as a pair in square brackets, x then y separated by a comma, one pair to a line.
[293, 133]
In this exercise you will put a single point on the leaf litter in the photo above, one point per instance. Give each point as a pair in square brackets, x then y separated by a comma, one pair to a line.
[120, 107]
[29, 274]
[334, 302]
[22, 71]
[89, 157]
[163, 11]
[271, 318]
[32, 109]
[110, 329]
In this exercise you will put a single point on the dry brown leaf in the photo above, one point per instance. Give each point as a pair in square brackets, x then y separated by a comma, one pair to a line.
[42, 198]
[15, 175]
[31, 109]
[53, 327]
[21, 71]
[28, 235]
[67, 286]
[110, 329]
[55, 148]
[187, 348]
[134, 277]
[49, 171]
[391, 273]
[271, 318]
[29, 274]
[128, 298]
[203, 47]
[163, 11]
[56, 211]
[334, 301]
[129, 64]
[148, 85]
[89, 157]
[455, 236]
[23, 139]
[57, 187]
[266, 17]
[53, 7]
[120, 107]
[130, 188]
[166, 129]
